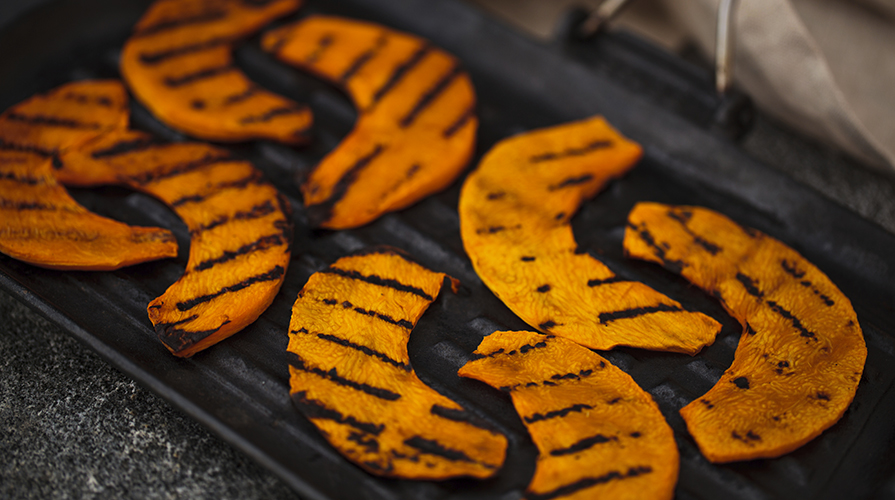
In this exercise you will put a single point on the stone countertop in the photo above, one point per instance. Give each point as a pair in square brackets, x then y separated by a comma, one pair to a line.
[72, 426]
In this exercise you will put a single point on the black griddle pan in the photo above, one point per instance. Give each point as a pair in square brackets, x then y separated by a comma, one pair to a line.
[239, 388]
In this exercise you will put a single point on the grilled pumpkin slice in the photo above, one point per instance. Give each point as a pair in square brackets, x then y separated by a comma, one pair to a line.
[416, 125]
[351, 374]
[515, 212]
[179, 64]
[598, 433]
[796, 368]
[39, 222]
[240, 230]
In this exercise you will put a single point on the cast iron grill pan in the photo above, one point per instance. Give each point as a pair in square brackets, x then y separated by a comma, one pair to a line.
[239, 388]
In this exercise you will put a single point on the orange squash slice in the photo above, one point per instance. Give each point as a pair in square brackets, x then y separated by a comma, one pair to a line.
[40, 223]
[598, 433]
[351, 374]
[179, 64]
[416, 125]
[796, 368]
[240, 230]
[515, 212]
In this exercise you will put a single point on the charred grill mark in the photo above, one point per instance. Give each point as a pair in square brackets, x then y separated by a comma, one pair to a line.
[458, 124]
[272, 113]
[537, 417]
[749, 438]
[178, 22]
[153, 58]
[371, 445]
[708, 404]
[366, 312]
[430, 95]
[333, 376]
[571, 181]
[496, 195]
[323, 43]
[588, 482]
[750, 285]
[50, 121]
[555, 380]
[606, 281]
[102, 100]
[804, 332]
[607, 317]
[791, 269]
[28, 148]
[462, 416]
[274, 274]
[741, 382]
[241, 96]
[823, 396]
[22, 179]
[582, 445]
[253, 178]
[256, 212]
[399, 72]
[544, 288]
[826, 300]
[8, 204]
[361, 60]
[360, 348]
[321, 212]
[314, 409]
[165, 172]
[675, 266]
[432, 447]
[180, 338]
[527, 258]
[548, 324]
[202, 74]
[749, 330]
[588, 148]
[522, 350]
[125, 146]
[262, 243]
[684, 216]
[379, 281]
[781, 367]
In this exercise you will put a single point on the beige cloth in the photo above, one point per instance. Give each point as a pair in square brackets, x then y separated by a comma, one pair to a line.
[826, 67]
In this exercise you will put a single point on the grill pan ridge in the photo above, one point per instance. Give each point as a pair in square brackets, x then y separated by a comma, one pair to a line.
[239, 388]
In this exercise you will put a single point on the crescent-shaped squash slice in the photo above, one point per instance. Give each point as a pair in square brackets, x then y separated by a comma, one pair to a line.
[351, 374]
[416, 125]
[796, 368]
[515, 212]
[240, 230]
[598, 433]
[40, 223]
[179, 64]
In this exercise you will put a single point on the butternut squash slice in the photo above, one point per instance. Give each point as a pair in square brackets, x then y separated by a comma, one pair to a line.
[40, 223]
[416, 125]
[515, 212]
[598, 433]
[351, 374]
[179, 64]
[240, 230]
[796, 368]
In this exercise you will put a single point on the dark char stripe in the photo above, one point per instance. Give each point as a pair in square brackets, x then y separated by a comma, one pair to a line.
[584, 444]
[274, 274]
[272, 113]
[101, 100]
[50, 121]
[523, 350]
[153, 58]
[324, 43]
[262, 243]
[555, 379]
[202, 74]
[179, 339]
[171, 24]
[588, 482]
[684, 216]
[321, 212]
[361, 348]
[607, 281]
[30, 205]
[125, 147]
[804, 332]
[377, 280]
[458, 124]
[166, 171]
[28, 148]
[791, 269]
[27, 180]
[675, 266]
[537, 417]
[333, 376]
[315, 409]
[242, 96]
[433, 447]
[607, 317]
[430, 95]
[571, 181]
[361, 60]
[256, 212]
[253, 178]
[593, 146]
[399, 72]
[750, 285]
[463, 416]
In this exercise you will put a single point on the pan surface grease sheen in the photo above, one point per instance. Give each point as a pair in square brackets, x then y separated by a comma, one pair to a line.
[240, 230]
[416, 125]
[179, 64]
[599, 434]
[515, 212]
[351, 373]
[802, 353]
[40, 223]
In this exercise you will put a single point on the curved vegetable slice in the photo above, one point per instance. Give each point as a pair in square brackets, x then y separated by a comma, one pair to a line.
[240, 230]
[179, 63]
[515, 213]
[39, 222]
[416, 125]
[351, 374]
[797, 367]
[599, 434]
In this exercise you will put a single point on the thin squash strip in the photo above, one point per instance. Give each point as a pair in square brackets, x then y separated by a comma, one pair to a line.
[598, 433]
[40, 223]
[798, 364]
[179, 64]
[351, 374]
[240, 230]
[515, 213]
[416, 125]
